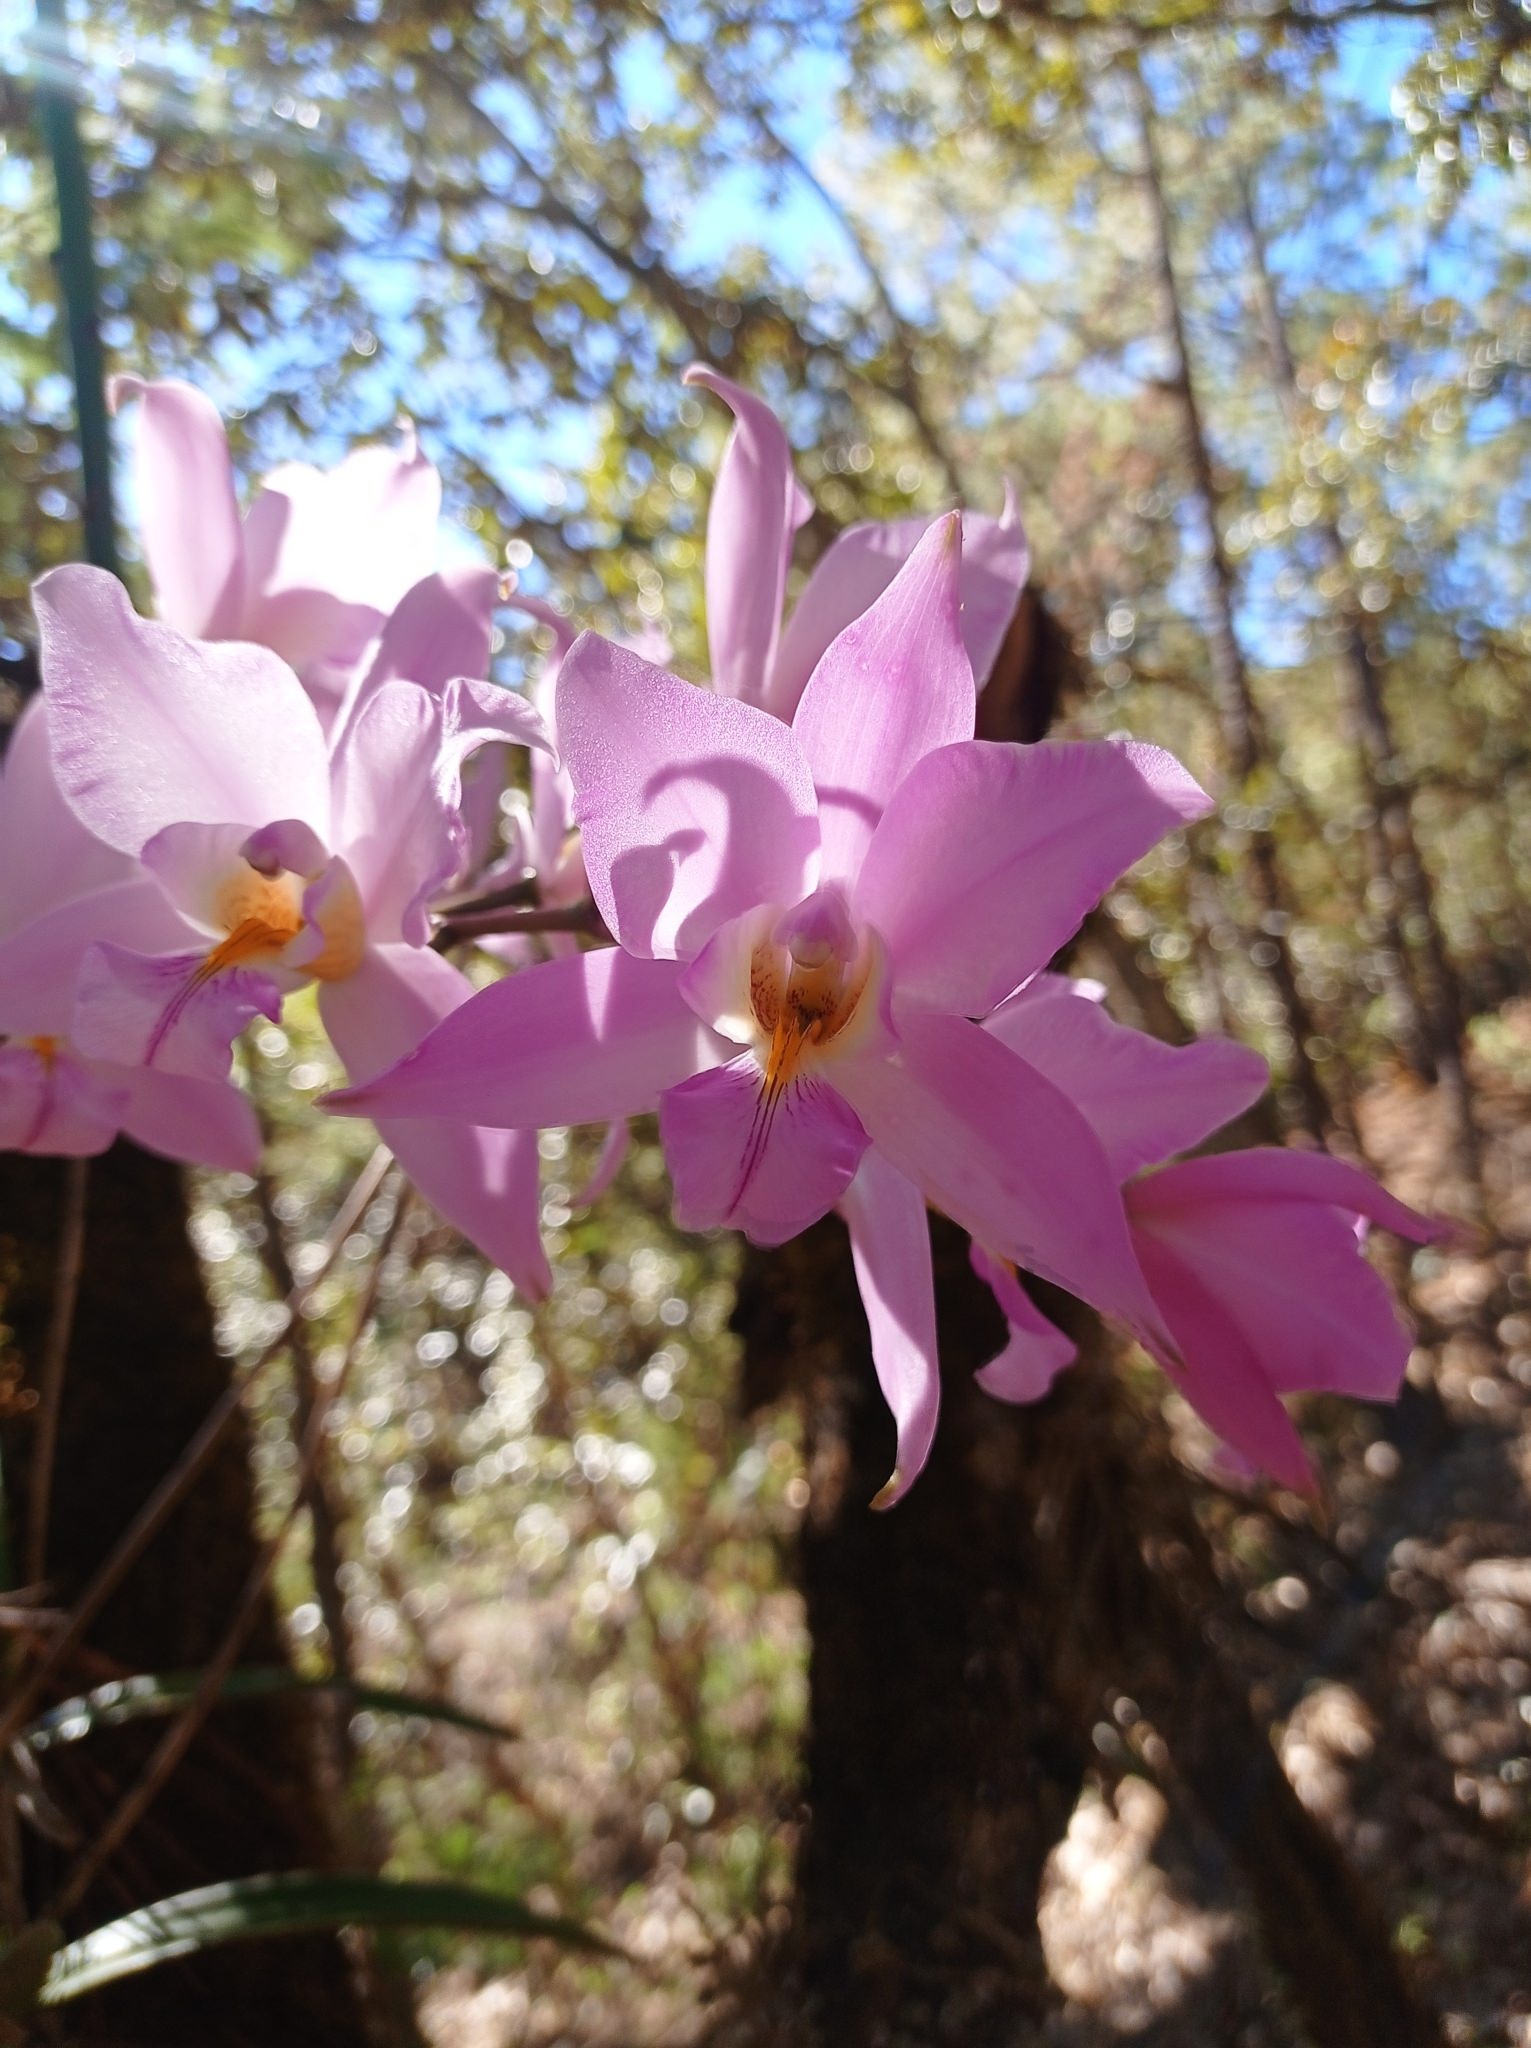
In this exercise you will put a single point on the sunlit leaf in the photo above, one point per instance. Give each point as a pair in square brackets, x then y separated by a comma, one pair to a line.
[292, 1902]
[156, 1693]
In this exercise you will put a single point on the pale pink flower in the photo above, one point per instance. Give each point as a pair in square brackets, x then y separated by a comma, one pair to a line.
[262, 859]
[758, 505]
[59, 888]
[1253, 1258]
[316, 567]
[808, 916]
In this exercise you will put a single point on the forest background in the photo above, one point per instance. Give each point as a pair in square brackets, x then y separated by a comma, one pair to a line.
[1235, 296]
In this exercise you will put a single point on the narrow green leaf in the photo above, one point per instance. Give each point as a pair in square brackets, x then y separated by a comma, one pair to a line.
[156, 1693]
[293, 1902]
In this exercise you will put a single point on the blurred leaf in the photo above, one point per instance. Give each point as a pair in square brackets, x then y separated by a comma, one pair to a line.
[292, 1902]
[157, 1693]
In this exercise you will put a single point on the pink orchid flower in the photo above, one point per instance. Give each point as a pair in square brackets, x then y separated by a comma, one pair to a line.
[807, 918]
[56, 877]
[757, 506]
[277, 861]
[315, 566]
[1252, 1257]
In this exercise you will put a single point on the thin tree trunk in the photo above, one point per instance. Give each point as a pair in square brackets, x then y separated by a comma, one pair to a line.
[1232, 696]
[142, 1372]
[1432, 1003]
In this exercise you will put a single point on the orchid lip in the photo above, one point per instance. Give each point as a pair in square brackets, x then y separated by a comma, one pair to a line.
[271, 921]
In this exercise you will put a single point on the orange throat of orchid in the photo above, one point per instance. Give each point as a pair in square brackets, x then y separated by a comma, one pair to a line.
[804, 1009]
[261, 915]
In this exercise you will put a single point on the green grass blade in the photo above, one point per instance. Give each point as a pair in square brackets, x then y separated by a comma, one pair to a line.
[294, 1902]
[157, 1693]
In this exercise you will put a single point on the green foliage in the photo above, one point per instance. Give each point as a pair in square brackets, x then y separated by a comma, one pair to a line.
[152, 1695]
[291, 1902]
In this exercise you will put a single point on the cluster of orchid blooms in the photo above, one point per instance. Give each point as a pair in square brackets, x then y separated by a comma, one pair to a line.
[827, 915]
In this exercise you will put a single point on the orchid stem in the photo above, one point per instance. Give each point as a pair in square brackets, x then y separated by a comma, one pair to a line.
[581, 918]
[66, 1293]
[59, 119]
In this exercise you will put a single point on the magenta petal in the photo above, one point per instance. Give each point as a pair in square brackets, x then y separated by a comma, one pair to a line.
[766, 1164]
[990, 854]
[1143, 1099]
[1006, 1156]
[439, 629]
[164, 1012]
[576, 1041]
[1267, 1173]
[1220, 1372]
[188, 515]
[475, 714]
[362, 533]
[46, 855]
[614, 1149]
[860, 563]
[395, 828]
[1036, 1351]
[563, 629]
[890, 1244]
[56, 1104]
[693, 808]
[756, 507]
[484, 1182]
[40, 963]
[203, 1123]
[1274, 1247]
[150, 728]
[893, 686]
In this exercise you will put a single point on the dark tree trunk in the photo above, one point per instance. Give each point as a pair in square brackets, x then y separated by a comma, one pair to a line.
[965, 1646]
[142, 1373]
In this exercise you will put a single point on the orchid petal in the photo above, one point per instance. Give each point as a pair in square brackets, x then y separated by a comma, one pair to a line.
[1220, 1371]
[440, 628]
[203, 1123]
[693, 808]
[150, 728]
[1006, 1156]
[364, 532]
[399, 835]
[614, 1150]
[1036, 1350]
[859, 564]
[577, 1041]
[890, 1246]
[54, 1103]
[477, 713]
[166, 1011]
[767, 1161]
[1143, 1099]
[1239, 1225]
[46, 855]
[1269, 1173]
[990, 854]
[892, 687]
[40, 963]
[756, 507]
[484, 1182]
[188, 515]
[563, 629]
[192, 865]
